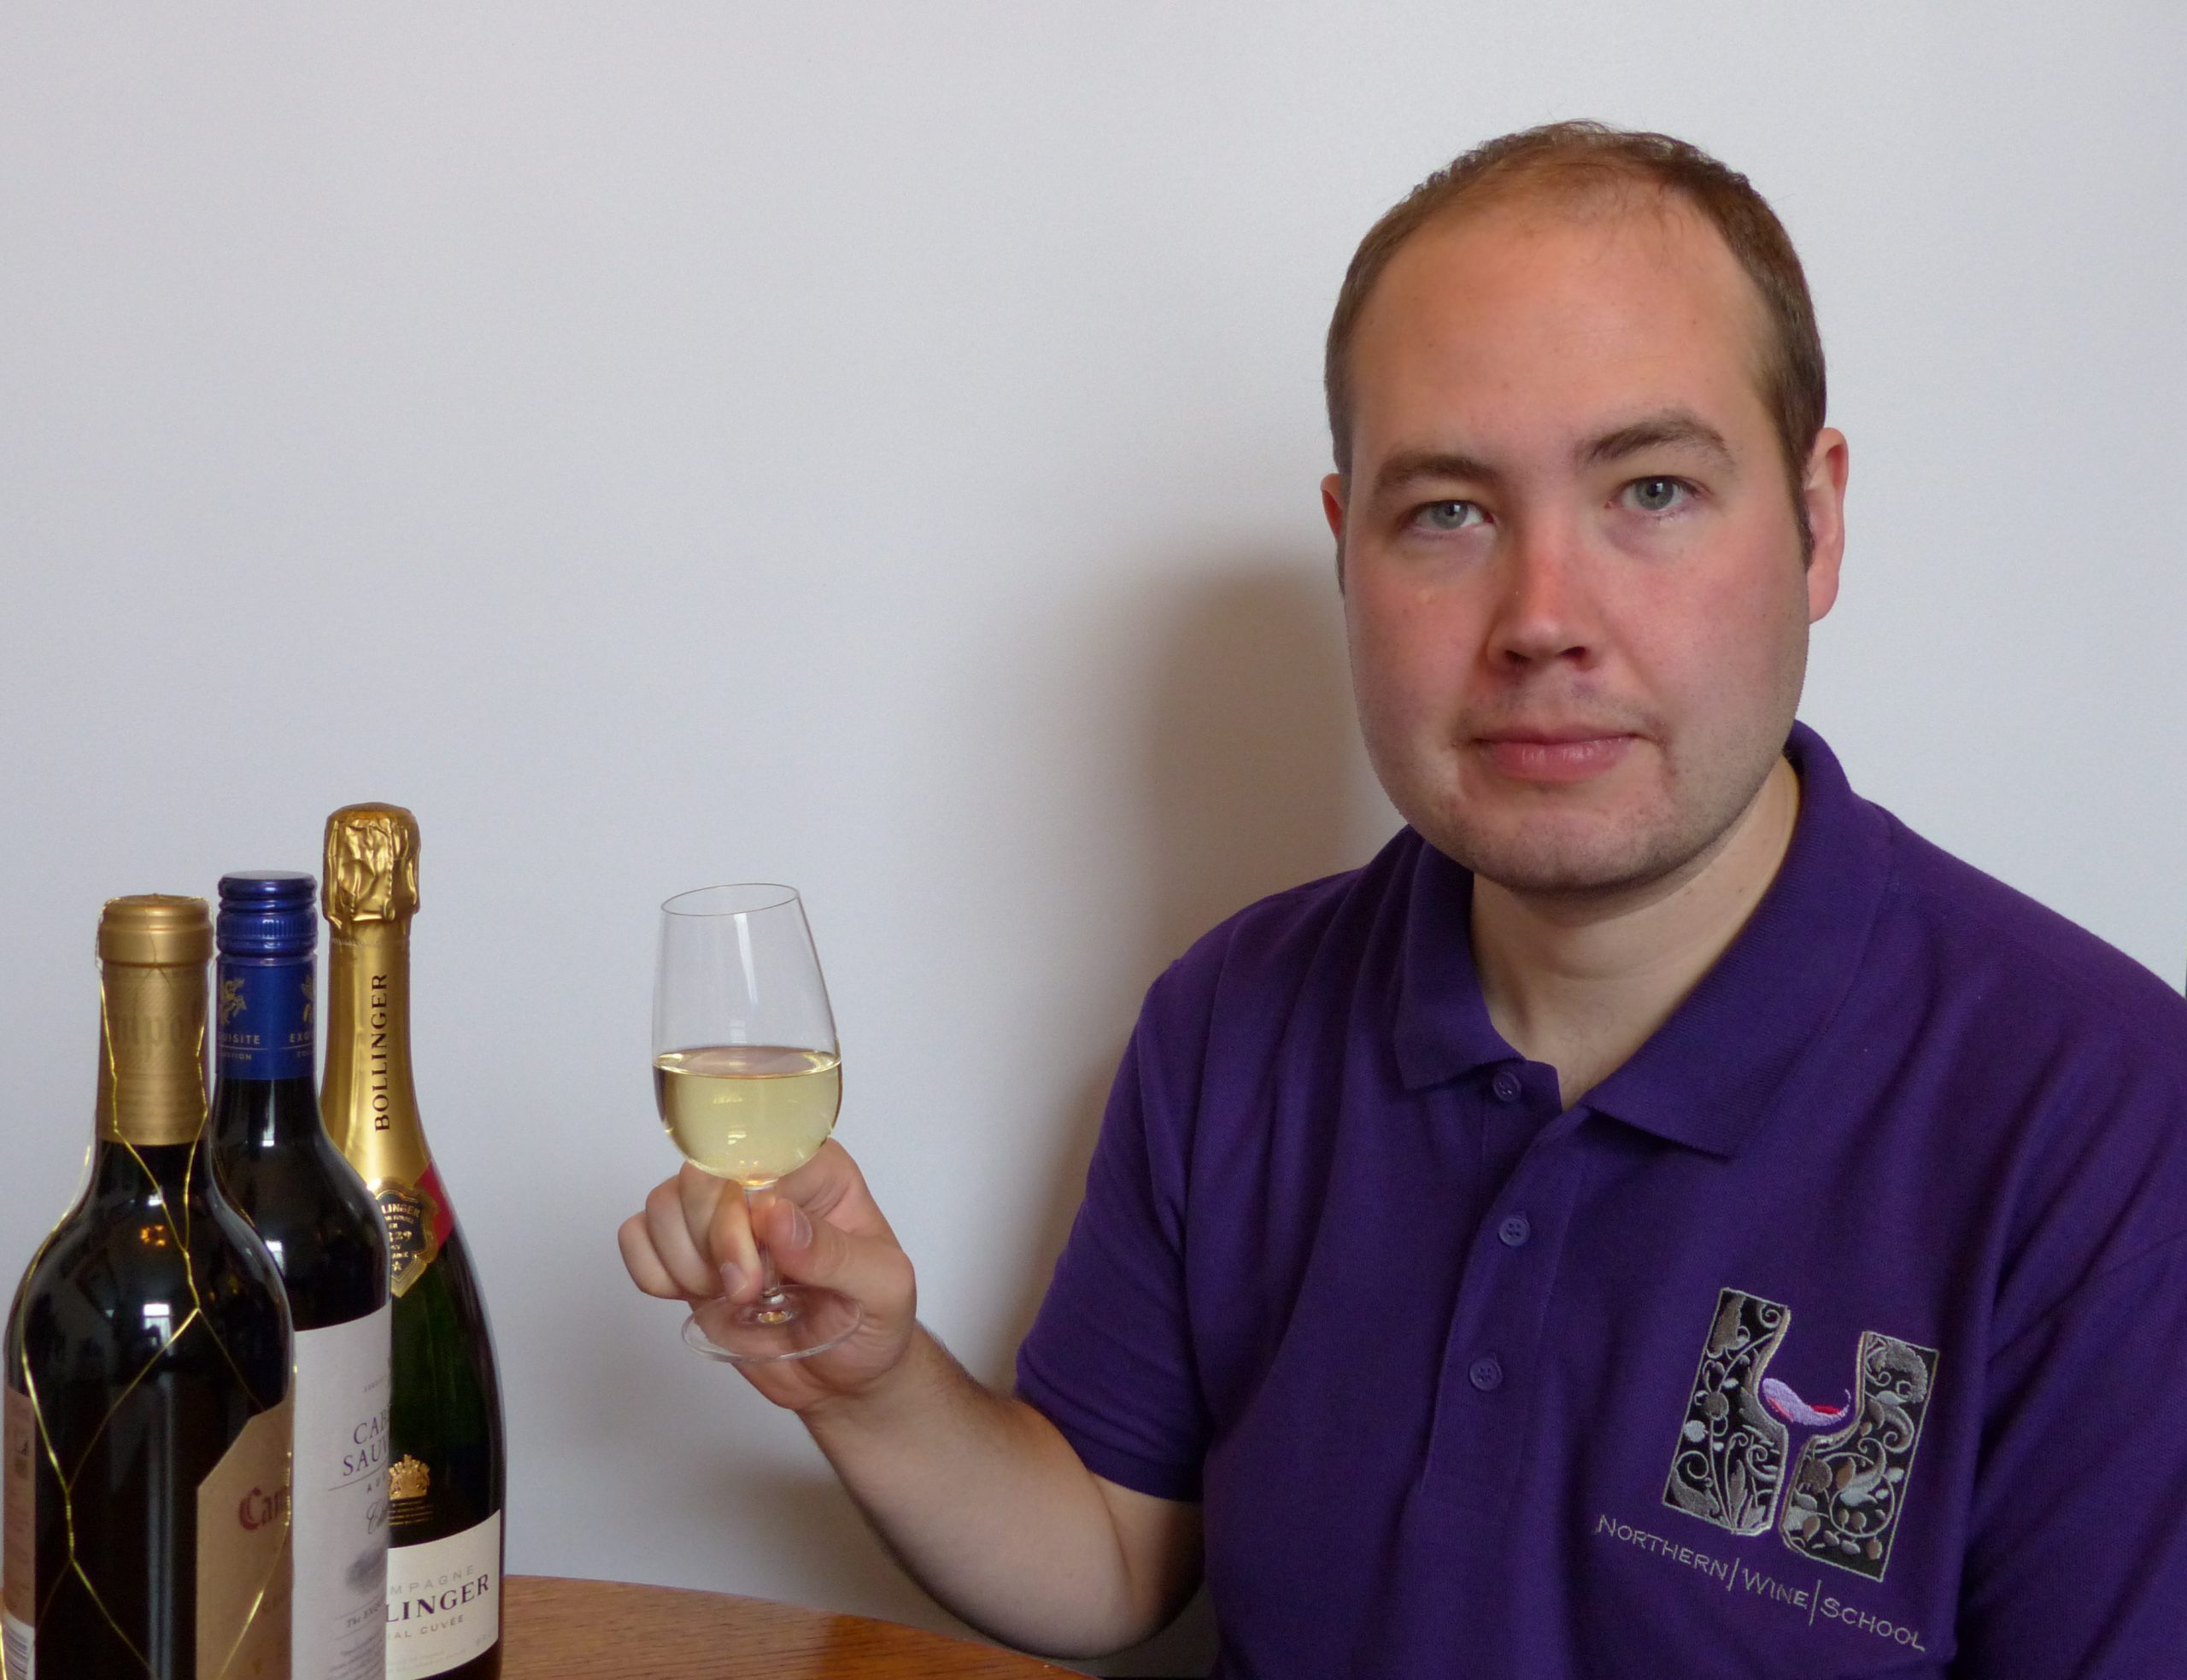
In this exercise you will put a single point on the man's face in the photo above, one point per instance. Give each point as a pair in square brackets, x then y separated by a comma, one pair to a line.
[1574, 590]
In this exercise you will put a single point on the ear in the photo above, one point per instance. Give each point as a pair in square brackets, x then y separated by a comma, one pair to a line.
[1823, 494]
[1333, 488]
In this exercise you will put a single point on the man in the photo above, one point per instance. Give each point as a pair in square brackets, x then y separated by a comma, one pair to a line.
[1660, 1217]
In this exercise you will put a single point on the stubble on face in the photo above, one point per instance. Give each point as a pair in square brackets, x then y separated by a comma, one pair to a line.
[1541, 847]
[1573, 706]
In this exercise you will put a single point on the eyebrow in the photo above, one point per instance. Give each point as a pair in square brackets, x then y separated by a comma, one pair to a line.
[1668, 428]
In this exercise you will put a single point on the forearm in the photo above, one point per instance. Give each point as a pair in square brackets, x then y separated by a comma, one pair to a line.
[981, 1497]
[988, 1506]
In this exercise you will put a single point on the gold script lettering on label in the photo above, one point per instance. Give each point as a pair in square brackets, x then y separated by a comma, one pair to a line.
[20, 1534]
[243, 1554]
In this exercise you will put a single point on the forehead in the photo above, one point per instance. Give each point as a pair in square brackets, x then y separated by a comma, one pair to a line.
[1535, 324]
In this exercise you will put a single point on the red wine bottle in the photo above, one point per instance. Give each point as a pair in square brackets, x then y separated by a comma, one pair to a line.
[148, 1361]
[314, 1215]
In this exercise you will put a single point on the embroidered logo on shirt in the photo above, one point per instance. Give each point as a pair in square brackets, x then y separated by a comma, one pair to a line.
[1829, 1476]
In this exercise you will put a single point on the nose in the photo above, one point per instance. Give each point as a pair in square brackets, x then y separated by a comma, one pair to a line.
[1545, 611]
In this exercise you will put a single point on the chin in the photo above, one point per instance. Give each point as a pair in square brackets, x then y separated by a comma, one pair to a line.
[1586, 876]
[1572, 858]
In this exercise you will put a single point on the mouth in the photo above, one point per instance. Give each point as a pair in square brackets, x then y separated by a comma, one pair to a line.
[1555, 754]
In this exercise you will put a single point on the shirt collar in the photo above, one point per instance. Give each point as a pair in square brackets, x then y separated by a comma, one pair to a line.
[1706, 1076]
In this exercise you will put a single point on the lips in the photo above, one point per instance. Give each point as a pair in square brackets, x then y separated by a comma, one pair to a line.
[1556, 755]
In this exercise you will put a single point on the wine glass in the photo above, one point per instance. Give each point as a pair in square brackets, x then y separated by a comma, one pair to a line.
[748, 1077]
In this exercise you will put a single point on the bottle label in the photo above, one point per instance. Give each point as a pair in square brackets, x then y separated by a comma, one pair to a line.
[418, 1223]
[19, 1539]
[242, 1553]
[268, 1022]
[443, 1602]
[340, 1630]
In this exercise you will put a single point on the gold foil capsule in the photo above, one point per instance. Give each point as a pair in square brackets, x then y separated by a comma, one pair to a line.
[156, 930]
[153, 949]
[372, 865]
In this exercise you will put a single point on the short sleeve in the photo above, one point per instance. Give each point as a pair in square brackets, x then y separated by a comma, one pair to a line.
[2077, 1555]
[1108, 1360]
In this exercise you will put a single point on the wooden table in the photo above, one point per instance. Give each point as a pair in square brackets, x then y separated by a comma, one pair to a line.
[562, 1629]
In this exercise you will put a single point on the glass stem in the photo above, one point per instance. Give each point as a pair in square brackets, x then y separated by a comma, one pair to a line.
[768, 1306]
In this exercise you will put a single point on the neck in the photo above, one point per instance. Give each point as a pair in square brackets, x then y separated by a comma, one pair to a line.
[264, 1113]
[263, 1098]
[152, 1174]
[368, 1096]
[1582, 983]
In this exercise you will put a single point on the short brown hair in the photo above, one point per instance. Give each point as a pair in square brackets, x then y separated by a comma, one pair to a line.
[1586, 160]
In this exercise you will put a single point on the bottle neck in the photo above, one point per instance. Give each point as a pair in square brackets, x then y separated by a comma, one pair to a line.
[152, 1175]
[368, 1097]
[151, 1089]
[268, 1031]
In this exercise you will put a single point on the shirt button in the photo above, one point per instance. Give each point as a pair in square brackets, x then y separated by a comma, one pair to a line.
[1514, 1231]
[1486, 1374]
[1507, 1087]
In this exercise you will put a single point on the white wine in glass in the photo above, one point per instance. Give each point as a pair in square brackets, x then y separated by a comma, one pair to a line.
[748, 1079]
[749, 1112]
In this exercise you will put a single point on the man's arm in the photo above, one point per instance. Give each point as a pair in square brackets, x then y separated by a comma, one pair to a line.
[978, 1494]
[2077, 1564]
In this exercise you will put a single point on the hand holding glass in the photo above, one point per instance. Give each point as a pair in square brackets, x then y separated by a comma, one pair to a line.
[747, 1078]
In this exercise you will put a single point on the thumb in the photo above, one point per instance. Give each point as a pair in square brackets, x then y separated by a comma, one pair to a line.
[871, 1270]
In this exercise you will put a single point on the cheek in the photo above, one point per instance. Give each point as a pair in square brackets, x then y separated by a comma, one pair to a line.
[1406, 664]
[1734, 653]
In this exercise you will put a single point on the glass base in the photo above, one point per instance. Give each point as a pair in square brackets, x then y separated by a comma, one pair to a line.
[795, 1322]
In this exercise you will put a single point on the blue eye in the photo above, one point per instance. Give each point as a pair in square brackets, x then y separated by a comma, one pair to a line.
[1447, 516]
[1656, 495]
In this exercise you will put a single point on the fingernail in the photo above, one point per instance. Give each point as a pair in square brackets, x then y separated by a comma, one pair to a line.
[800, 1228]
[732, 1278]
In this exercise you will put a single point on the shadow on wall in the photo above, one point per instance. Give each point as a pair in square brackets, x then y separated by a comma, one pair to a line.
[1251, 755]
[1250, 780]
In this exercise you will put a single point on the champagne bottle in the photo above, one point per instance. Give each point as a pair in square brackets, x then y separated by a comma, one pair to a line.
[446, 1475]
[148, 1359]
[314, 1213]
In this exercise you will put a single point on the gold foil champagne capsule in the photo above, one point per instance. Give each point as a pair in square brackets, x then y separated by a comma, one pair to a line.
[372, 865]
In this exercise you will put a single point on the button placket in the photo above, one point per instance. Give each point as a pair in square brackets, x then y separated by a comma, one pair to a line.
[1485, 1399]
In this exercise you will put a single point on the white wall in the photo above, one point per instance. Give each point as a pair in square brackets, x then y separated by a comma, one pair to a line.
[875, 447]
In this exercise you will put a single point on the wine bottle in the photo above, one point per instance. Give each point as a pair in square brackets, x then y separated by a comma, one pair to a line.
[147, 1362]
[312, 1211]
[446, 1474]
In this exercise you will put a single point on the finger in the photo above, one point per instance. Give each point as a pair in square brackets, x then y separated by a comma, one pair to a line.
[872, 1270]
[670, 1233]
[640, 1260]
[699, 1192]
[728, 1236]
[829, 1186]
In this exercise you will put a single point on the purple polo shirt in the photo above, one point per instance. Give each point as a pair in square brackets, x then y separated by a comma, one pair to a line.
[1843, 1331]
